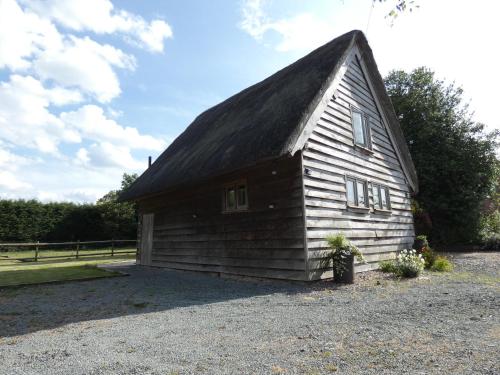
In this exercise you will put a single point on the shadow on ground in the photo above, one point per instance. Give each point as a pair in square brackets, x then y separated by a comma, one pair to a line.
[33, 308]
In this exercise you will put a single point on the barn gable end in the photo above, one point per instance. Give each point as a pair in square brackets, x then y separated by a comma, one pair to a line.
[330, 156]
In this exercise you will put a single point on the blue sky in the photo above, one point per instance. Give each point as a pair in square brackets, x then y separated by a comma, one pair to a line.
[90, 88]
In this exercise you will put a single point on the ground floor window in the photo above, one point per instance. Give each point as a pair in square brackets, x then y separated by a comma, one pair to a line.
[236, 197]
[381, 197]
[357, 192]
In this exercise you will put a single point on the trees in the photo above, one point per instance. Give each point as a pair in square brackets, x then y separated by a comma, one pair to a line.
[31, 220]
[454, 156]
[400, 6]
[119, 219]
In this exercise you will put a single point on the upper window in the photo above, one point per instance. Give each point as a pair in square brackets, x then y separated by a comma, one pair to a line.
[381, 197]
[361, 129]
[235, 197]
[357, 192]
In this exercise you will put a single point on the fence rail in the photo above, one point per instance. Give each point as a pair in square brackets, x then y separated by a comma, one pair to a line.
[75, 249]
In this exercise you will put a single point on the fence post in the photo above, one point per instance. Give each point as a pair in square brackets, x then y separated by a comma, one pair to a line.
[36, 251]
[112, 247]
[77, 248]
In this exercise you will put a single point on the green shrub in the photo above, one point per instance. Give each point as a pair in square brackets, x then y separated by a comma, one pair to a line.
[491, 243]
[387, 266]
[429, 257]
[442, 264]
[420, 242]
[407, 264]
[489, 234]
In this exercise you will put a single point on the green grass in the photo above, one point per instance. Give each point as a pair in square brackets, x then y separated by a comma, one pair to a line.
[15, 272]
[52, 274]
[51, 255]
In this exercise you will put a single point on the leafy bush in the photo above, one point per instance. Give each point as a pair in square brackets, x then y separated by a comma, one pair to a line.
[489, 235]
[409, 263]
[387, 266]
[442, 264]
[492, 243]
[429, 257]
[341, 249]
[420, 242]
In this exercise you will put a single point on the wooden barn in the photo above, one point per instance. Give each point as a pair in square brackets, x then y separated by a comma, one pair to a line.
[255, 184]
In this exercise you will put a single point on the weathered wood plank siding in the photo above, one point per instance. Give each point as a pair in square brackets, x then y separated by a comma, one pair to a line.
[328, 156]
[192, 233]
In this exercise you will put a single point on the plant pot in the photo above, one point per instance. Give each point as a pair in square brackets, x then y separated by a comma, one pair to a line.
[347, 277]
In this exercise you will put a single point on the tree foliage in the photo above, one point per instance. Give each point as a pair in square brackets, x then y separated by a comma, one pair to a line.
[118, 218]
[31, 220]
[454, 156]
[400, 6]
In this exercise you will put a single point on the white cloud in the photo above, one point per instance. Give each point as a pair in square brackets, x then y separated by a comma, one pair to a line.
[10, 182]
[22, 34]
[9, 164]
[101, 17]
[25, 119]
[108, 155]
[86, 64]
[91, 122]
[153, 35]
[301, 32]
[57, 73]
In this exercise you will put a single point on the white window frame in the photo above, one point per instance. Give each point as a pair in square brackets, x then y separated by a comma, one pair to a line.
[365, 127]
[238, 206]
[356, 204]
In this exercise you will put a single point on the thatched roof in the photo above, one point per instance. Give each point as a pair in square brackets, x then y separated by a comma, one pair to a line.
[262, 122]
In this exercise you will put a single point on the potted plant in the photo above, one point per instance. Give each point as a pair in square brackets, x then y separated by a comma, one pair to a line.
[341, 256]
[420, 242]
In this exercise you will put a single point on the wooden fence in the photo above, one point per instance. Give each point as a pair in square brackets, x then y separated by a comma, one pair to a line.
[78, 249]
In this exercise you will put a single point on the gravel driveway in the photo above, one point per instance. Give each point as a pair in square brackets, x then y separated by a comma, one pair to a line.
[159, 321]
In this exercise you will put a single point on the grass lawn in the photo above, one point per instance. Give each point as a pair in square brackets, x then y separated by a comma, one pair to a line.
[15, 272]
[12, 257]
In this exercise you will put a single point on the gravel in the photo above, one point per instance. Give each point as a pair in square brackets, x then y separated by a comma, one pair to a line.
[159, 321]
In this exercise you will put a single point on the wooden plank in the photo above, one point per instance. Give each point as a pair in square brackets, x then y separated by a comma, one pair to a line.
[264, 263]
[225, 252]
[332, 155]
[352, 234]
[352, 224]
[318, 213]
[366, 242]
[326, 146]
[313, 161]
[147, 238]
[243, 271]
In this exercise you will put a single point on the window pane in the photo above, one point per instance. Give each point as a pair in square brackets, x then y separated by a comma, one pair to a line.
[383, 193]
[231, 199]
[350, 192]
[357, 125]
[242, 196]
[366, 126]
[361, 194]
[376, 196]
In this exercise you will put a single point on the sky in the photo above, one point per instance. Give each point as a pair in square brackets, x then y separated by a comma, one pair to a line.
[90, 88]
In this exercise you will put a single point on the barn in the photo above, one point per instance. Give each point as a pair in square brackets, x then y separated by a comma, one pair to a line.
[254, 185]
